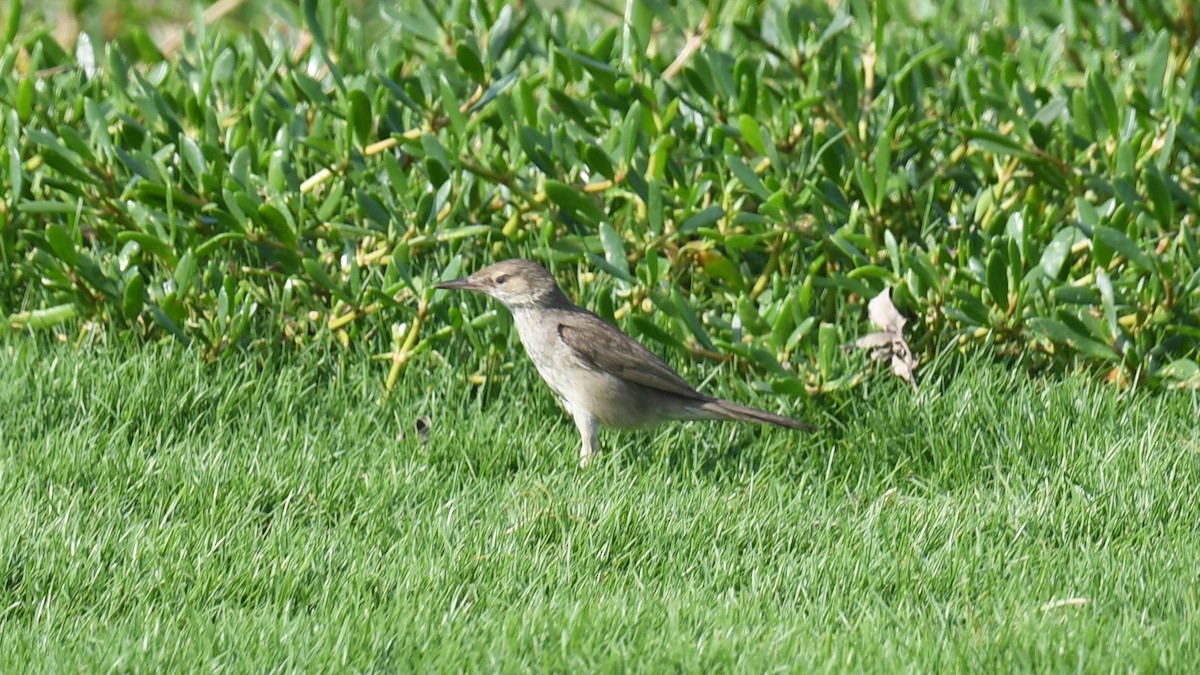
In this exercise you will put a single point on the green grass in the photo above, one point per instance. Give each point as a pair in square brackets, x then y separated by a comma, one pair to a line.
[159, 515]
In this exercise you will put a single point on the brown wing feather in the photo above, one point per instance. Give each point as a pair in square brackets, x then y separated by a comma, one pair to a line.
[602, 346]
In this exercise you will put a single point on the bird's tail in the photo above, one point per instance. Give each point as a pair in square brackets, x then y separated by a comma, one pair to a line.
[728, 410]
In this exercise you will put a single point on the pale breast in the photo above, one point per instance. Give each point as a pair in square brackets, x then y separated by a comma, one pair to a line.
[554, 363]
[613, 401]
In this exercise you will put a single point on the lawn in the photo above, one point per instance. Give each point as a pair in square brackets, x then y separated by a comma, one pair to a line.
[160, 515]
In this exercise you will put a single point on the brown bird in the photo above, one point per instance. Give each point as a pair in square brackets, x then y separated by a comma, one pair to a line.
[602, 376]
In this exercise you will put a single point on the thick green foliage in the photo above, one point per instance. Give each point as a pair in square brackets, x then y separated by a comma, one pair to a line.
[740, 177]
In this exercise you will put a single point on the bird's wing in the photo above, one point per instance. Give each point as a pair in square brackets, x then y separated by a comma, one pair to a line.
[603, 347]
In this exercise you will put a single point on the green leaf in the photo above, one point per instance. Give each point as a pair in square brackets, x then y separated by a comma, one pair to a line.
[463, 232]
[14, 22]
[317, 274]
[748, 312]
[161, 317]
[61, 244]
[74, 141]
[152, 244]
[828, 340]
[922, 267]
[500, 33]
[869, 272]
[747, 176]
[789, 386]
[46, 207]
[1059, 333]
[752, 133]
[312, 90]
[217, 241]
[1182, 373]
[1108, 302]
[536, 148]
[468, 60]
[705, 218]
[25, 99]
[684, 311]
[278, 225]
[44, 318]
[1051, 112]
[319, 37]
[437, 160]
[665, 13]
[619, 271]
[883, 166]
[1160, 196]
[651, 330]
[996, 143]
[136, 165]
[614, 248]
[598, 161]
[223, 304]
[16, 174]
[784, 323]
[578, 111]
[58, 157]
[1158, 56]
[997, 279]
[1059, 247]
[193, 156]
[1102, 97]
[764, 359]
[575, 203]
[866, 182]
[185, 274]
[718, 266]
[133, 297]
[360, 116]
[1122, 244]
[1075, 295]
[452, 107]
[969, 310]
[631, 129]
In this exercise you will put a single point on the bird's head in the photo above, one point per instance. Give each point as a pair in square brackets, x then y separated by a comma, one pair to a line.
[518, 283]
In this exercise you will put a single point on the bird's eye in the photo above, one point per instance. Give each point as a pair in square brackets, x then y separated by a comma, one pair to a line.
[502, 278]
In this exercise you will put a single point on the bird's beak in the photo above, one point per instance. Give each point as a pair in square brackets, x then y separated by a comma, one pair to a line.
[464, 284]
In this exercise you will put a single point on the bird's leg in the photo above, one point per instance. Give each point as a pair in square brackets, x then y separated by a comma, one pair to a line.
[589, 430]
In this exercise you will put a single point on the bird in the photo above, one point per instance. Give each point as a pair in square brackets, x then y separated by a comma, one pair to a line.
[603, 377]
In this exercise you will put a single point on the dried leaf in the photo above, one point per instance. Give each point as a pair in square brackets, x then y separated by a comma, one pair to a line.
[875, 341]
[889, 344]
[882, 313]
